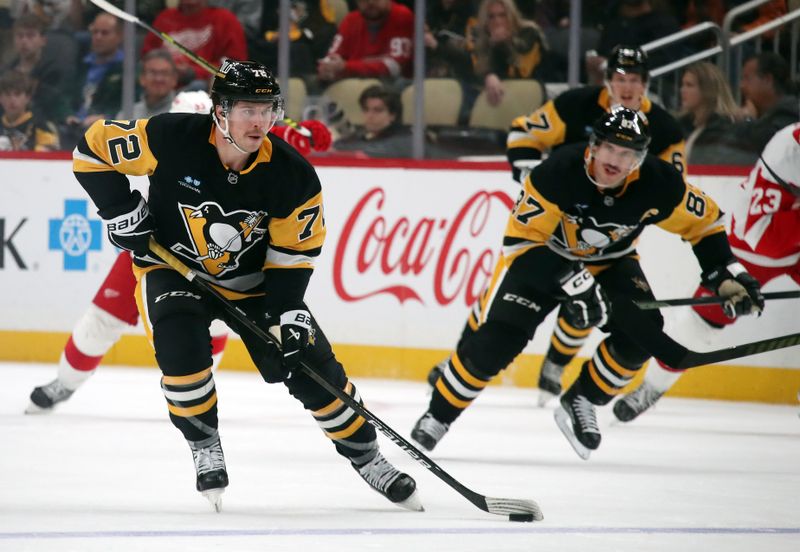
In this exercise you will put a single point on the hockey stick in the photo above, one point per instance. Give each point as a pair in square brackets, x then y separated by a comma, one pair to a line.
[712, 300]
[125, 16]
[516, 509]
[644, 331]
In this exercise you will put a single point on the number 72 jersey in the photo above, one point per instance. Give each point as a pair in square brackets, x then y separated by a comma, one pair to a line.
[231, 226]
[561, 211]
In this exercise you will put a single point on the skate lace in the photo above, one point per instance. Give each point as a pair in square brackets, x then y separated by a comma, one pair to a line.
[56, 391]
[642, 398]
[208, 459]
[585, 413]
[379, 473]
[433, 427]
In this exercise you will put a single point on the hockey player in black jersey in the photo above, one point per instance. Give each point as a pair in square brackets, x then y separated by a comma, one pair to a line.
[569, 119]
[570, 241]
[245, 212]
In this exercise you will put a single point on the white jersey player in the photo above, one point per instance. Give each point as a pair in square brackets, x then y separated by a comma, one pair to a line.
[764, 236]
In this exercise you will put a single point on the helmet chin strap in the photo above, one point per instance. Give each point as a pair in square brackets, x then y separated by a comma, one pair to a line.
[226, 132]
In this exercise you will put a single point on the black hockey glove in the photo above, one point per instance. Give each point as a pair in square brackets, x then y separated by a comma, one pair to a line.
[130, 226]
[734, 283]
[586, 304]
[295, 331]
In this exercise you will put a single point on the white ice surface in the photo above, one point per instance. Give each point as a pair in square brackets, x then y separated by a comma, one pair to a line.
[107, 471]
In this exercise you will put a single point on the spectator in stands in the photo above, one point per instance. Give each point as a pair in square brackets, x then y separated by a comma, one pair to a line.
[212, 33]
[506, 46]
[312, 27]
[44, 70]
[769, 101]
[20, 129]
[158, 79]
[708, 112]
[383, 134]
[56, 14]
[146, 10]
[99, 89]
[634, 22]
[447, 24]
[374, 41]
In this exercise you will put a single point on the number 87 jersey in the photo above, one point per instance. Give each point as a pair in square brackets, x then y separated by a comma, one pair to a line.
[232, 226]
[561, 211]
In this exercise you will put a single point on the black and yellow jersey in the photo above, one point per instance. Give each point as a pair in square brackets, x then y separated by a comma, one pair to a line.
[561, 214]
[240, 230]
[569, 118]
[28, 133]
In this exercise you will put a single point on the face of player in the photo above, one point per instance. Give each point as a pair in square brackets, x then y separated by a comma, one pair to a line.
[690, 92]
[627, 89]
[249, 123]
[374, 10]
[376, 116]
[612, 164]
[28, 42]
[14, 104]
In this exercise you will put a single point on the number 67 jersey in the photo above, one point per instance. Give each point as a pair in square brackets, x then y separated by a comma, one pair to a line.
[561, 211]
[766, 223]
[228, 226]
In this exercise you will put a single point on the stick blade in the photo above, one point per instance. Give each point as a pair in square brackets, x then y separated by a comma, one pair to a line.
[508, 506]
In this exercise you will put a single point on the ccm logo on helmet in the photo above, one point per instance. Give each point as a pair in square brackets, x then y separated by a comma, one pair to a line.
[263, 90]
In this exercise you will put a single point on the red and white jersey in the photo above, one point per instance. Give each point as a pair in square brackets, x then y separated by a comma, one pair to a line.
[368, 51]
[213, 34]
[766, 225]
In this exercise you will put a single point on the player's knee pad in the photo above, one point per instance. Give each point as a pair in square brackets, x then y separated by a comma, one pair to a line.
[491, 348]
[96, 331]
[182, 344]
[309, 392]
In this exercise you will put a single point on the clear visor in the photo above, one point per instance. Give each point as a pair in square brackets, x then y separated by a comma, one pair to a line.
[264, 114]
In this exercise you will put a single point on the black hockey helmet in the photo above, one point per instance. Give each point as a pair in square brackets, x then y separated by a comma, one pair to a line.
[244, 80]
[623, 127]
[627, 59]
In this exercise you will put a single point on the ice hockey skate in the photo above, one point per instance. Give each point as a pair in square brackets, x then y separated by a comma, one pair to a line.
[428, 431]
[637, 401]
[549, 382]
[212, 477]
[45, 397]
[577, 420]
[395, 485]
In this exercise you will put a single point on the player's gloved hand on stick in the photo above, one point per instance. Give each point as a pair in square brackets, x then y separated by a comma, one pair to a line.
[742, 291]
[294, 331]
[586, 304]
[130, 225]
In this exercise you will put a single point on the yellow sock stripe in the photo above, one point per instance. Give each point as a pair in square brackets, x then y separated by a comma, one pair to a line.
[466, 376]
[612, 363]
[336, 403]
[449, 397]
[572, 331]
[600, 382]
[473, 323]
[348, 431]
[186, 412]
[563, 349]
[137, 296]
[187, 380]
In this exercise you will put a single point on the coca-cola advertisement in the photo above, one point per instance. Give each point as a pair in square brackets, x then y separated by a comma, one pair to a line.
[407, 253]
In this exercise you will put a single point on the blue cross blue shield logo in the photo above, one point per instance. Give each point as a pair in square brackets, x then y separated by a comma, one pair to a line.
[75, 234]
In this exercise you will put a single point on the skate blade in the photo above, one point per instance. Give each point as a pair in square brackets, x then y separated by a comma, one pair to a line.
[412, 503]
[34, 408]
[214, 496]
[564, 423]
[544, 398]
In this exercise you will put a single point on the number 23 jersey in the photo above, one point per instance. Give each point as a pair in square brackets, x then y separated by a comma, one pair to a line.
[231, 227]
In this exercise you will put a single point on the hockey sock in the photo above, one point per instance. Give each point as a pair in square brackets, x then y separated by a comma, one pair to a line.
[565, 342]
[660, 376]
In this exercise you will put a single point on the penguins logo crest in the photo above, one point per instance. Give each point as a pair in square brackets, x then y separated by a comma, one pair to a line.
[218, 238]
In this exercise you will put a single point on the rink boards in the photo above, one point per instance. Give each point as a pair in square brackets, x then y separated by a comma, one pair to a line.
[410, 245]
